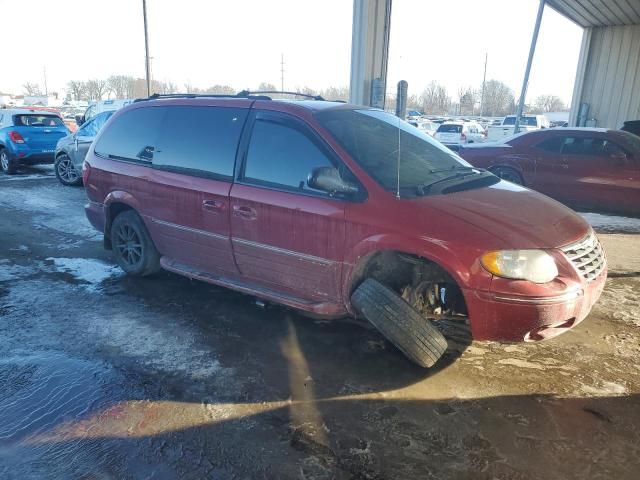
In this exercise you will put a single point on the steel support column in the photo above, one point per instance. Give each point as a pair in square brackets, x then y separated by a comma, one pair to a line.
[532, 50]
[369, 47]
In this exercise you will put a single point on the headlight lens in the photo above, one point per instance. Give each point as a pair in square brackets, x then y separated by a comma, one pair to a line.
[534, 265]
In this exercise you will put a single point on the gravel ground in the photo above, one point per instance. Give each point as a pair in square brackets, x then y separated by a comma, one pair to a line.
[108, 377]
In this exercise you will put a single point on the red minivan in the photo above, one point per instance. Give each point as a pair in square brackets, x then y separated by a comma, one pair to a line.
[335, 210]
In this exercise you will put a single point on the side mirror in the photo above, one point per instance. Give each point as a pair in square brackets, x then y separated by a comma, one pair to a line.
[79, 120]
[328, 180]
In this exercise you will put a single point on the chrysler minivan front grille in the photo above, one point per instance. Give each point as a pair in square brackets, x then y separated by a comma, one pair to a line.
[587, 255]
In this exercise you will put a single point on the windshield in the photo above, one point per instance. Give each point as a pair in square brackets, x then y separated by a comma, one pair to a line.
[37, 121]
[526, 121]
[371, 139]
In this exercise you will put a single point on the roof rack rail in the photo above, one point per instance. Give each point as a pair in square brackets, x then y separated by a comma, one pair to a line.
[258, 95]
[157, 96]
[297, 94]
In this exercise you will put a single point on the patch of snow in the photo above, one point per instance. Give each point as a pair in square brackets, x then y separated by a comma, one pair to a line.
[520, 363]
[10, 271]
[86, 269]
[612, 223]
[607, 388]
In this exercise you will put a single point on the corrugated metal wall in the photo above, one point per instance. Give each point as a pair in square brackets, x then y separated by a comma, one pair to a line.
[611, 83]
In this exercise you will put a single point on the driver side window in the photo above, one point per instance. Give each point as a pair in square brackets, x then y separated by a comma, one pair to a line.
[282, 156]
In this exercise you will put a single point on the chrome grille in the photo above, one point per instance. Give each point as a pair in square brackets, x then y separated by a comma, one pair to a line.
[587, 255]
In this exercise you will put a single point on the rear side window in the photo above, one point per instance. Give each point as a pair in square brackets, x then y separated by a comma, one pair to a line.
[583, 146]
[450, 129]
[282, 156]
[200, 140]
[37, 121]
[133, 135]
[551, 145]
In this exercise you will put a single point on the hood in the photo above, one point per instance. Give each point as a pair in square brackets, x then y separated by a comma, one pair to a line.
[519, 217]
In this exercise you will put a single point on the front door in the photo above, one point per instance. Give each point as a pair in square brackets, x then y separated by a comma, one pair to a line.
[600, 175]
[286, 235]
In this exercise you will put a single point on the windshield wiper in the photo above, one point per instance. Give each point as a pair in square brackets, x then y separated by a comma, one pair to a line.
[424, 188]
[455, 168]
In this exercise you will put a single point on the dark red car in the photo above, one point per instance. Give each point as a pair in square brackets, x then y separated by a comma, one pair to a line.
[335, 209]
[585, 168]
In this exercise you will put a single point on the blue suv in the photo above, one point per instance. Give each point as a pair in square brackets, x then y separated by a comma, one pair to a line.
[28, 137]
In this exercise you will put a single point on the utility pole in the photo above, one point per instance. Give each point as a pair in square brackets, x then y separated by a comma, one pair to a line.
[46, 91]
[484, 82]
[282, 72]
[146, 48]
[532, 50]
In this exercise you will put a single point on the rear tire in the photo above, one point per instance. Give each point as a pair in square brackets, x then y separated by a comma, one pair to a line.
[508, 174]
[400, 323]
[66, 173]
[132, 245]
[6, 165]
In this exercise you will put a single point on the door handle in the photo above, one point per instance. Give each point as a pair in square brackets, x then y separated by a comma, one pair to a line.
[212, 205]
[247, 213]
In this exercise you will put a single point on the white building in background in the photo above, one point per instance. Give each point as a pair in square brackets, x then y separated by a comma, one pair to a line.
[43, 100]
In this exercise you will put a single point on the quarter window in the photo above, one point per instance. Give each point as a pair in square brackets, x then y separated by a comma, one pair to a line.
[133, 135]
[282, 156]
[200, 140]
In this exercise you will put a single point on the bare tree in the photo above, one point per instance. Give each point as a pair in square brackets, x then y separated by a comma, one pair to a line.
[435, 99]
[499, 99]
[32, 89]
[221, 90]
[336, 93]
[76, 89]
[548, 103]
[96, 89]
[267, 86]
[120, 85]
[467, 99]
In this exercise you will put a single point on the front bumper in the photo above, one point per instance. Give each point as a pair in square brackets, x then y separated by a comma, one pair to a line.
[516, 318]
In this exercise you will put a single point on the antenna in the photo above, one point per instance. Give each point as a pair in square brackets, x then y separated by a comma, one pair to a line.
[398, 163]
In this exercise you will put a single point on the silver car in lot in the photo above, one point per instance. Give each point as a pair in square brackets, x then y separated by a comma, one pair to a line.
[72, 149]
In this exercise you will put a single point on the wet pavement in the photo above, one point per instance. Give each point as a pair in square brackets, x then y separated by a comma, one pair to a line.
[108, 377]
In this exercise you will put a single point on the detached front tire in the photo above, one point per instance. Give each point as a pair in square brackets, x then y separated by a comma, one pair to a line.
[399, 322]
[132, 245]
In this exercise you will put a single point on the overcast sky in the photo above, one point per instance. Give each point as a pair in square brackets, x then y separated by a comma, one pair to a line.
[239, 42]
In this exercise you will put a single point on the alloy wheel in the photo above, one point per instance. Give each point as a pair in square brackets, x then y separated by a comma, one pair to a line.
[67, 171]
[129, 245]
[4, 161]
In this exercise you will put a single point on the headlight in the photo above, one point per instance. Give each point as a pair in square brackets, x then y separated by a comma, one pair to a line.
[534, 265]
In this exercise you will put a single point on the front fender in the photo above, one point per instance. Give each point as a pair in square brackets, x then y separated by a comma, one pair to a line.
[464, 267]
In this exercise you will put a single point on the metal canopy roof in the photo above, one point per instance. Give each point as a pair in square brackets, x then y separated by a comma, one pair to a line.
[599, 13]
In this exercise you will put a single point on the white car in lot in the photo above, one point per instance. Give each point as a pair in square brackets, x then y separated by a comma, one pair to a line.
[460, 133]
[528, 123]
